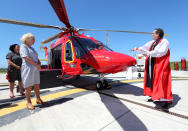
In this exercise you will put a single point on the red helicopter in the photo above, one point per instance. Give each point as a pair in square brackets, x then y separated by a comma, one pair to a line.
[75, 54]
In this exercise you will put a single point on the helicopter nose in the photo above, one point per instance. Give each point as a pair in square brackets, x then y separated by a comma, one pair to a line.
[112, 62]
[123, 59]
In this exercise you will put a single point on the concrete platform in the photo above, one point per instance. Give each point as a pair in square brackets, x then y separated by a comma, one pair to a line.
[78, 106]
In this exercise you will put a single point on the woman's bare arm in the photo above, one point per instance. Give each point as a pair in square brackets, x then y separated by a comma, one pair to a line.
[13, 64]
[32, 62]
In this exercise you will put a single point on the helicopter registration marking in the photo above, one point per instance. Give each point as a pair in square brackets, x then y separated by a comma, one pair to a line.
[21, 105]
[103, 58]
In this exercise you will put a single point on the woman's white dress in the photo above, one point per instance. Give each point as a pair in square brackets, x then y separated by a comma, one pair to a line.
[30, 74]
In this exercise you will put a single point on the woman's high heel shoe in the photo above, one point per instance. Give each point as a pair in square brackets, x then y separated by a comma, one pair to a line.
[30, 107]
[11, 97]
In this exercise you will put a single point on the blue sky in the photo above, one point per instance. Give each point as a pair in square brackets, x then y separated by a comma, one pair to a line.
[136, 15]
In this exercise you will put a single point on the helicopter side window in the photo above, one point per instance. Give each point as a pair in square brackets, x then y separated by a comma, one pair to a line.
[56, 57]
[68, 52]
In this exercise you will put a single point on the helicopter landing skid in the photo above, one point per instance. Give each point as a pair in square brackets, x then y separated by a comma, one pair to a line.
[102, 83]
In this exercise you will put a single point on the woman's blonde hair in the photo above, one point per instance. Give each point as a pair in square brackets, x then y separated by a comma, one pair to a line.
[25, 37]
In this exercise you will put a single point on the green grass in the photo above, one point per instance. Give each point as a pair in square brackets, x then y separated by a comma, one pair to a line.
[179, 63]
[3, 70]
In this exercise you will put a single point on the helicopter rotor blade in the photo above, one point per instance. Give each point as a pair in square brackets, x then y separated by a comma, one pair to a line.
[81, 29]
[51, 38]
[9, 21]
[59, 8]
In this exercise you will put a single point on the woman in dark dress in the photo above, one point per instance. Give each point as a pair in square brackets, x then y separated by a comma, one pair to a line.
[14, 66]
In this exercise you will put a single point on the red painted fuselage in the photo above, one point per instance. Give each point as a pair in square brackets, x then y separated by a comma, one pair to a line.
[79, 54]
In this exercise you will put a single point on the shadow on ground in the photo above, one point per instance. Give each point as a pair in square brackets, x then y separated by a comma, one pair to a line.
[54, 102]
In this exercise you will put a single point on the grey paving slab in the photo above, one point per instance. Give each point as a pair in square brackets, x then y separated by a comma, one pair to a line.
[152, 122]
[87, 112]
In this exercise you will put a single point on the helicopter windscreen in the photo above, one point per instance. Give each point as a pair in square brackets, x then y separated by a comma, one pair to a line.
[88, 44]
[104, 46]
[83, 45]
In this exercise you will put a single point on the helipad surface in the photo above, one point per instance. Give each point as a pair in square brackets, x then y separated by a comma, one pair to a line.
[76, 105]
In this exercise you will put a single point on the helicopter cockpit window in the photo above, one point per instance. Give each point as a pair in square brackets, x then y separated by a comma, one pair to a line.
[88, 44]
[104, 46]
[78, 49]
[68, 52]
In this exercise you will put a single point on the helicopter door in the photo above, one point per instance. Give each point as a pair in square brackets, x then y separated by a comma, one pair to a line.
[71, 66]
[56, 57]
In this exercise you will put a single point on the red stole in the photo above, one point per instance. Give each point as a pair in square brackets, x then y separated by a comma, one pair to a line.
[161, 84]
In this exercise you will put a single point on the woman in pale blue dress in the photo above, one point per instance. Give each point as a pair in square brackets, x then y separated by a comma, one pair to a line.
[30, 71]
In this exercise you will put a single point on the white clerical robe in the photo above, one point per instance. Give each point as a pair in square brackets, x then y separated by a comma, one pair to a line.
[159, 51]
